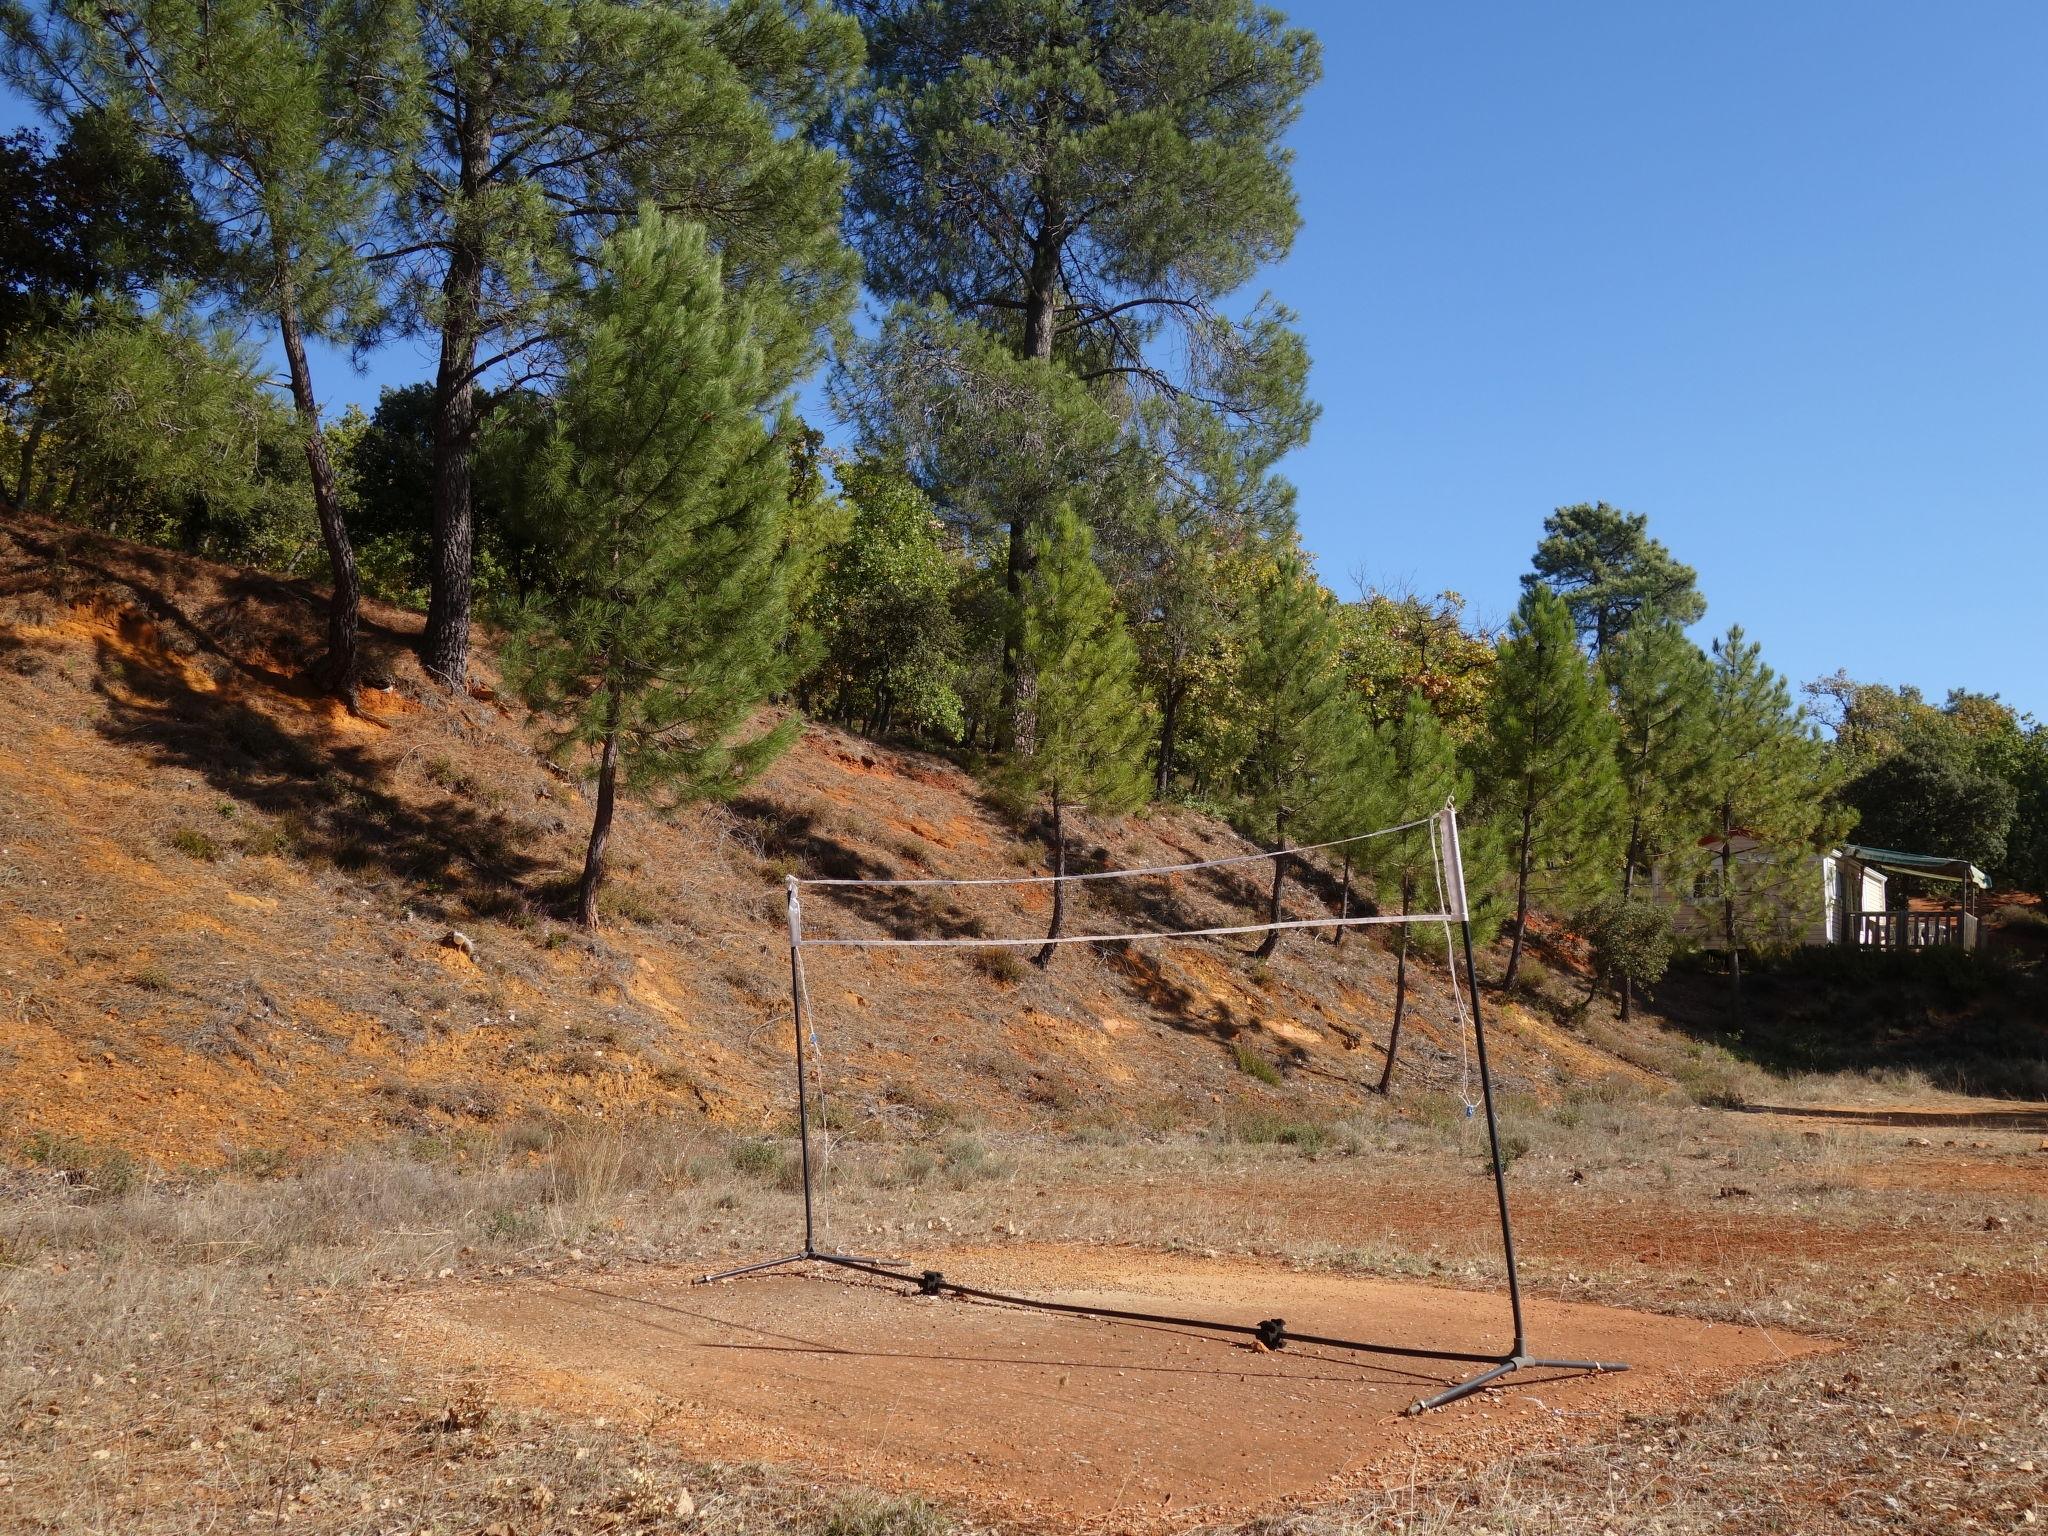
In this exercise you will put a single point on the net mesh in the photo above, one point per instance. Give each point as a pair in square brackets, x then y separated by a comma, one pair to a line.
[1180, 902]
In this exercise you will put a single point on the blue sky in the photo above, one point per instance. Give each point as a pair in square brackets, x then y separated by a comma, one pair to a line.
[1776, 276]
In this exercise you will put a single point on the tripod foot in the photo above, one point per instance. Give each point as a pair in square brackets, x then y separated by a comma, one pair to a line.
[1508, 1367]
[752, 1269]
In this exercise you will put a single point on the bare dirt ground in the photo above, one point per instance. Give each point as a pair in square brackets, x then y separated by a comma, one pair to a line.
[1067, 1423]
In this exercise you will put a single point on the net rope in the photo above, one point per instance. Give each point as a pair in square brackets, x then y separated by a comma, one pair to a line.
[1138, 872]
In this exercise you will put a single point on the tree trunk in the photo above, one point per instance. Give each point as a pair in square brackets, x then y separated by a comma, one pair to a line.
[1507, 979]
[1343, 904]
[444, 647]
[1728, 918]
[601, 823]
[1059, 883]
[1169, 732]
[1041, 326]
[1271, 941]
[29, 444]
[1628, 885]
[1401, 987]
[345, 606]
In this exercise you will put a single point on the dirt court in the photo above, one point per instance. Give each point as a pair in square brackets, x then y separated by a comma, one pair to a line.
[1045, 1421]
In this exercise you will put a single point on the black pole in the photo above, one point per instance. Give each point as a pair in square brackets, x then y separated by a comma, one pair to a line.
[1500, 1177]
[803, 1101]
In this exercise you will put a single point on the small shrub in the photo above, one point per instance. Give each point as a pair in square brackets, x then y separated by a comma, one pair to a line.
[152, 976]
[758, 1158]
[871, 1514]
[195, 844]
[101, 1173]
[1531, 978]
[1262, 1127]
[968, 1161]
[262, 1163]
[1000, 965]
[1253, 1065]
[625, 901]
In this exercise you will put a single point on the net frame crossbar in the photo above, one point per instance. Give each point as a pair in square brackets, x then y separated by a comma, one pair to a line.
[1272, 1333]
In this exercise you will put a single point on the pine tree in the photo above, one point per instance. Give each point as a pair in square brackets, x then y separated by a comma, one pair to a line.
[1089, 727]
[660, 501]
[1769, 782]
[1549, 760]
[548, 122]
[1074, 176]
[1608, 569]
[1424, 768]
[1292, 687]
[1354, 792]
[1662, 687]
[285, 120]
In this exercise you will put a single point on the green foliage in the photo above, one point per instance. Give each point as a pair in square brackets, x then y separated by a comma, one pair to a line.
[1548, 763]
[1631, 939]
[195, 844]
[1089, 728]
[1931, 797]
[1398, 644]
[883, 612]
[1950, 779]
[1293, 695]
[1069, 180]
[546, 123]
[1253, 1065]
[1662, 690]
[657, 626]
[1116, 154]
[156, 426]
[101, 216]
[1609, 570]
[1768, 782]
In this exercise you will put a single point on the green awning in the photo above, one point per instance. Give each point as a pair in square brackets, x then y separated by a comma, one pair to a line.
[1928, 866]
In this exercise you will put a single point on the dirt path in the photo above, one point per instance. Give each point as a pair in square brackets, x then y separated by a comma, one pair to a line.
[1050, 1422]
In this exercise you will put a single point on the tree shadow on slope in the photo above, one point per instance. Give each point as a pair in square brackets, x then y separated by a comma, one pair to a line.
[797, 837]
[322, 804]
[1970, 1023]
[250, 619]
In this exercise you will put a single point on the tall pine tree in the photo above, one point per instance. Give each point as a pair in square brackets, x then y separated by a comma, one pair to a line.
[1292, 689]
[1090, 727]
[1354, 793]
[1768, 784]
[1076, 176]
[548, 122]
[659, 501]
[1423, 762]
[1608, 569]
[1549, 760]
[1662, 687]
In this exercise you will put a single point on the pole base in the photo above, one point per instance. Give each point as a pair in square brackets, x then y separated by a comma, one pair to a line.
[1508, 1367]
[808, 1256]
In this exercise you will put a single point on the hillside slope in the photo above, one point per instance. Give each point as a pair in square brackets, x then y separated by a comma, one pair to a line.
[227, 912]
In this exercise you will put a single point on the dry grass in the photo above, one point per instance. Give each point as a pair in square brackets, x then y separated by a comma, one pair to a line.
[200, 1355]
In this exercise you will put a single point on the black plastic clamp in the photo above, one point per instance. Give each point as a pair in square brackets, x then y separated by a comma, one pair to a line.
[929, 1282]
[1273, 1333]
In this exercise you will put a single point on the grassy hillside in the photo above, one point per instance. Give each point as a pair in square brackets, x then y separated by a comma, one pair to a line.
[230, 914]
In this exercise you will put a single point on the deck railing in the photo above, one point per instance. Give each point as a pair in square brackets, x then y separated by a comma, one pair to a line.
[1946, 926]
